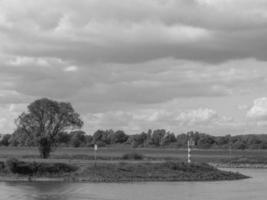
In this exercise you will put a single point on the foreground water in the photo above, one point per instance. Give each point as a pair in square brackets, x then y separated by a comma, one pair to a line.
[254, 188]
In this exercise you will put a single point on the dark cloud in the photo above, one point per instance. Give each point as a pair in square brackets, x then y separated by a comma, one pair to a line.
[136, 31]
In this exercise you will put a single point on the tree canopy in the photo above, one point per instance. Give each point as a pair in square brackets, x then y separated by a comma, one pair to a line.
[45, 120]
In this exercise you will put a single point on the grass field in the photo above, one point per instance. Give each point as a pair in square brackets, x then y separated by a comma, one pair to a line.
[85, 155]
[156, 164]
[15, 170]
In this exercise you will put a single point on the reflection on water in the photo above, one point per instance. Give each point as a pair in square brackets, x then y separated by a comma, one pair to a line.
[254, 188]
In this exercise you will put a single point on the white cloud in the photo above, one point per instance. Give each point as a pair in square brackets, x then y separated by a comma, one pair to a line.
[71, 69]
[24, 61]
[8, 114]
[259, 109]
[243, 107]
[12, 96]
[133, 121]
[199, 116]
[130, 56]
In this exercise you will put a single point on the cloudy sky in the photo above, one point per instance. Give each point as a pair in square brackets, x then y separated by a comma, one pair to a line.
[138, 64]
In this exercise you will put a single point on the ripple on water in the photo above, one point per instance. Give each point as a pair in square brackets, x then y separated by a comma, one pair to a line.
[254, 188]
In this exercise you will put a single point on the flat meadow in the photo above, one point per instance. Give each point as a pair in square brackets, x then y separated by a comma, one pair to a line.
[115, 154]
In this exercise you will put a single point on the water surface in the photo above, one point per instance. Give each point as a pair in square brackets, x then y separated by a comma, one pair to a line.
[254, 188]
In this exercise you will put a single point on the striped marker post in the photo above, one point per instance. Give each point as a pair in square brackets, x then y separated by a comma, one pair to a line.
[190, 143]
[188, 152]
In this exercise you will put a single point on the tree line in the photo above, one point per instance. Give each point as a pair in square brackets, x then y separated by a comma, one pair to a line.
[150, 139]
[48, 124]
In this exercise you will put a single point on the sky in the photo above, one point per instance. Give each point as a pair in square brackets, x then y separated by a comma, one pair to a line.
[135, 65]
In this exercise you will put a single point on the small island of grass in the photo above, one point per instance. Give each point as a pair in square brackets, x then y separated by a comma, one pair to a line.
[114, 172]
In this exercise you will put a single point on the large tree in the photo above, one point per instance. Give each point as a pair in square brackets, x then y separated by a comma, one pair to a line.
[45, 120]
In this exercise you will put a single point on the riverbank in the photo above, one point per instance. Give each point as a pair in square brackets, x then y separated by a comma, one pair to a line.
[259, 162]
[240, 165]
[166, 171]
[123, 172]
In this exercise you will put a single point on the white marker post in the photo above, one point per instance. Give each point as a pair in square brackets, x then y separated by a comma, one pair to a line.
[188, 152]
[230, 150]
[190, 143]
[95, 150]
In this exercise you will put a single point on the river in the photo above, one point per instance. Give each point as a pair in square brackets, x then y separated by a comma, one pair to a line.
[254, 188]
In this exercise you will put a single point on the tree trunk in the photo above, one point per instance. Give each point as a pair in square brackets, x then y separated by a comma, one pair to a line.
[44, 148]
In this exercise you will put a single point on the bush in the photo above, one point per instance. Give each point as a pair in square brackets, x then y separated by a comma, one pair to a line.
[55, 168]
[11, 164]
[2, 166]
[132, 156]
[186, 167]
[32, 168]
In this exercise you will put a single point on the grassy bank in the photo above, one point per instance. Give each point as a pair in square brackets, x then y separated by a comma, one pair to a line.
[84, 157]
[14, 169]
[166, 171]
[242, 162]
[113, 154]
[21, 169]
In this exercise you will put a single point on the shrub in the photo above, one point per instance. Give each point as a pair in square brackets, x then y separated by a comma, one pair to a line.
[55, 168]
[11, 164]
[30, 168]
[186, 167]
[132, 156]
[2, 166]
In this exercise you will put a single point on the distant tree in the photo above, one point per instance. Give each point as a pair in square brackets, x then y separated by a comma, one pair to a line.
[63, 139]
[157, 136]
[118, 137]
[239, 143]
[77, 138]
[21, 138]
[138, 140]
[5, 141]
[222, 141]
[148, 142]
[89, 140]
[205, 141]
[102, 137]
[44, 120]
[167, 139]
[181, 140]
